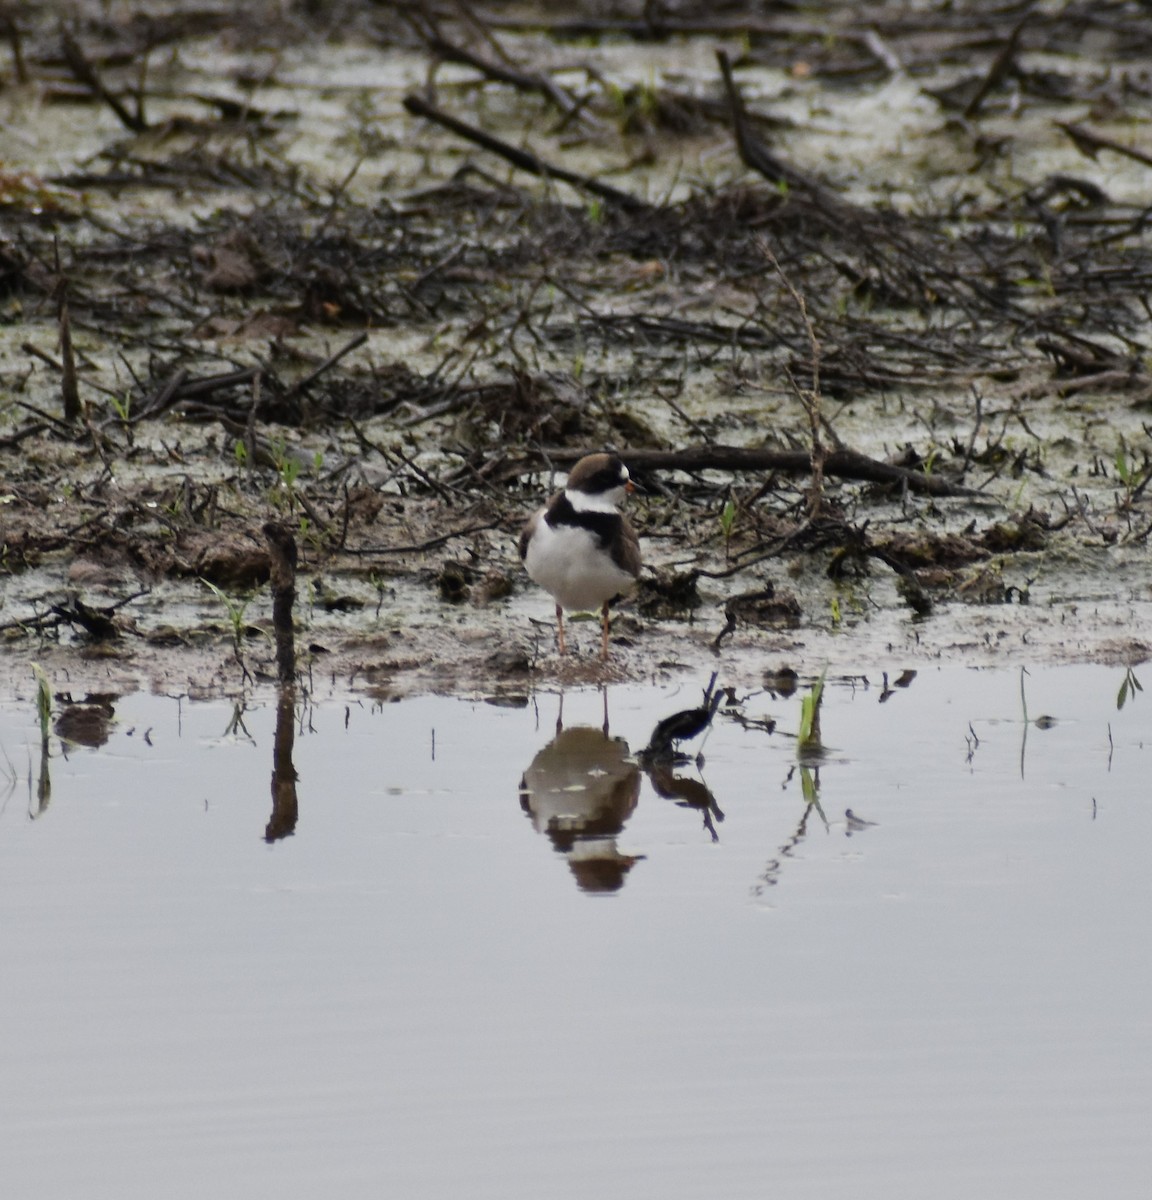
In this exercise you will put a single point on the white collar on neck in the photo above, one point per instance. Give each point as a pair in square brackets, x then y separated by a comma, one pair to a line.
[586, 502]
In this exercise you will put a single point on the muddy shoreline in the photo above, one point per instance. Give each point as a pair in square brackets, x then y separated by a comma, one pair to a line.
[863, 306]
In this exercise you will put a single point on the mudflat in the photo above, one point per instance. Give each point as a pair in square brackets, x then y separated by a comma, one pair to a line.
[861, 299]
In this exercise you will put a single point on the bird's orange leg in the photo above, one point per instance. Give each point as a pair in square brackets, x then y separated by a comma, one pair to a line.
[560, 628]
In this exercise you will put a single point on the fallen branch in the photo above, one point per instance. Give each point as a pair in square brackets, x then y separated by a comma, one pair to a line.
[755, 154]
[213, 383]
[430, 544]
[69, 388]
[810, 398]
[165, 395]
[179, 387]
[1090, 144]
[522, 81]
[304, 384]
[86, 74]
[842, 463]
[524, 160]
[1002, 64]
[98, 623]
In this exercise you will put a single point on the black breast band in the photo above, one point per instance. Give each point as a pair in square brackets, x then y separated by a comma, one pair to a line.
[604, 527]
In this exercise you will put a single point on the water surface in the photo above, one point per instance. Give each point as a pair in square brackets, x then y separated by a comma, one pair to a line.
[475, 957]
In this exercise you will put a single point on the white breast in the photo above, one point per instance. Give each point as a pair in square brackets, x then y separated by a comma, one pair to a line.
[569, 563]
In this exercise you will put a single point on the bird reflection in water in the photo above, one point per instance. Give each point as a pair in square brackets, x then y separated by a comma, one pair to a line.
[580, 790]
[582, 787]
[86, 722]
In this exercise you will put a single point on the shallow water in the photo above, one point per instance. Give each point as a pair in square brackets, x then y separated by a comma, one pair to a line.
[491, 962]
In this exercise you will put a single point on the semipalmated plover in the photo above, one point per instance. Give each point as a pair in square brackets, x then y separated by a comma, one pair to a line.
[578, 547]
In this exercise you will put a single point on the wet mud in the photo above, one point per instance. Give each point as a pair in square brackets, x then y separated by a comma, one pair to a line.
[861, 303]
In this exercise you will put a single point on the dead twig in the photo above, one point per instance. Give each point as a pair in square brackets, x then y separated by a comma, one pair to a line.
[178, 388]
[163, 396]
[1086, 516]
[774, 550]
[69, 387]
[87, 74]
[970, 449]
[809, 397]
[1001, 66]
[250, 428]
[522, 81]
[304, 384]
[524, 160]
[1090, 144]
[14, 439]
[54, 422]
[754, 153]
[430, 544]
[10, 28]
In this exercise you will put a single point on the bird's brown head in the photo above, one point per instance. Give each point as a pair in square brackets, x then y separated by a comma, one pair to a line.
[600, 476]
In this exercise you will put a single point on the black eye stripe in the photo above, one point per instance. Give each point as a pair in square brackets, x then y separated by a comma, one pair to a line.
[605, 480]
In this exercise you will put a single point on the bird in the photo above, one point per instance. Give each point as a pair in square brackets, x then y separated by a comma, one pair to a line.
[579, 547]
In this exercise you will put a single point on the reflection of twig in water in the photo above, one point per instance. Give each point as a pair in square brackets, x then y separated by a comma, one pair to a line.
[854, 824]
[810, 787]
[43, 784]
[44, 714]
[10, 785]
[1024, 708]
[285, 806]
[685, 792]
[903, 680]
[236, 726]
[763, 724]
[1042, 722]
[662, 755]
[810, 790]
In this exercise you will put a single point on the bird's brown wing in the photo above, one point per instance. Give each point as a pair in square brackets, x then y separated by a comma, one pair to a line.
[626, 549]
[526, 534]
